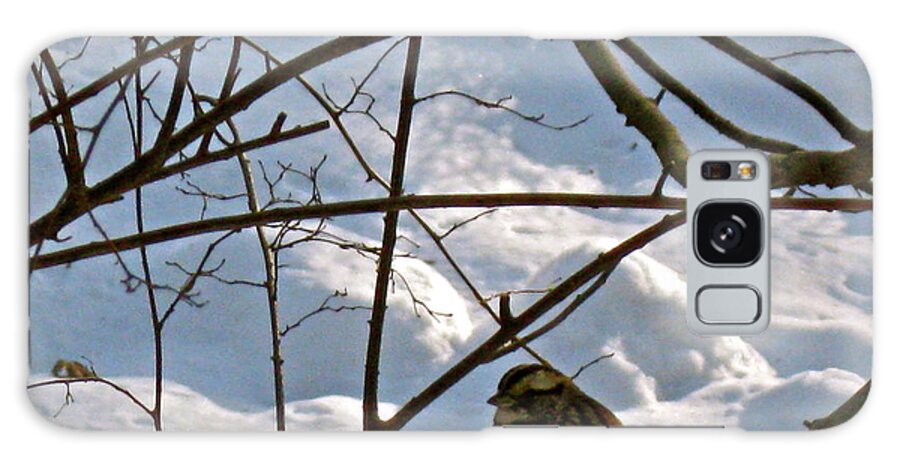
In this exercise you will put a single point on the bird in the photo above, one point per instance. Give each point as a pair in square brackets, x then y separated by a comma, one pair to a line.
[65, 369]
[535, 394]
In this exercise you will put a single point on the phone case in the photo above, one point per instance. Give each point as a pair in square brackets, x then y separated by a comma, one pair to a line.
[449, 233]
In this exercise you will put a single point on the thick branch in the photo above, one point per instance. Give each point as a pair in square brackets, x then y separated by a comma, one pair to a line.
[640, 111]
[695, 103]
[235, 149]
[412, 201]
[389, 238]
[72, 160]
[850, 167]
[833, 169]
[178, 86]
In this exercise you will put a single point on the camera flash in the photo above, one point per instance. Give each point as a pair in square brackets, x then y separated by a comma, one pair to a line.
[746, 170]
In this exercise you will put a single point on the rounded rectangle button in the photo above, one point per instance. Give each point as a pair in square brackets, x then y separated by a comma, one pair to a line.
[728, 304]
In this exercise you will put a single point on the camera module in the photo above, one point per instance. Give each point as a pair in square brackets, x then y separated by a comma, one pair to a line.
[728, 233]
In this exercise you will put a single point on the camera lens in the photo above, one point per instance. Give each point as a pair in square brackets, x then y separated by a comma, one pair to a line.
[716, 170]
[728, 233]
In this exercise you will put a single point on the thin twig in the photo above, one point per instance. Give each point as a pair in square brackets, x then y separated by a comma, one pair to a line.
[77, 56]
[109, 383]
[826, 51]
[324, 307]
[500, 104]
[595, 361]
[460, 224]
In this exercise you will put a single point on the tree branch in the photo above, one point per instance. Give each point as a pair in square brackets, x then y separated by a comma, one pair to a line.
[178, 86]
[409, 202]
[833, 169]
[109, 383]
[371, 174]
[700, 108]
[138, 172]
[503, 335]
[106, 80]
[811, 96]
[72, 160]
[640, 111]
[235, 149]
[371, 419]
[500, 104]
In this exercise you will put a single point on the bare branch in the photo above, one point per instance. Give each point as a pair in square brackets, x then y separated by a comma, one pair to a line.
[660, 183]
[524, 291]
[72, 161]
[833, 169]
[416, 301]
[96, 129]
[580, 299]
[57, 130]
[595, 361]
[460, 224]
[503, 335]
[106, 382]
[324, 307]
[500, 104]
[640, 111]
[695, 103]
[193, 276]
[270, 261]
[332, 114]
[844, 412]
[811, 96]
[371, 174]
[371, 419]
[136, 129]
[413, 202]
[77, 56]
[358, 87]
[167, 127]
[138, 172]
[826, 51]
[108, 79]
[195, 190]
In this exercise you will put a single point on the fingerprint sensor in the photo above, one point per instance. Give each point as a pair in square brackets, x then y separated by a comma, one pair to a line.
[726, 304]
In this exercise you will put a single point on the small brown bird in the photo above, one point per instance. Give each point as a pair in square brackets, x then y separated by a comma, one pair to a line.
[533, 394]
[65, 369]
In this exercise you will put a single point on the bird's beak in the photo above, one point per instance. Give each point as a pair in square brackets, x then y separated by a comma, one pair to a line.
[493, 400]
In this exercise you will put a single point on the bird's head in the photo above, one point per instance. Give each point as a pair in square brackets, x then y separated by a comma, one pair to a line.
[519, 387]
